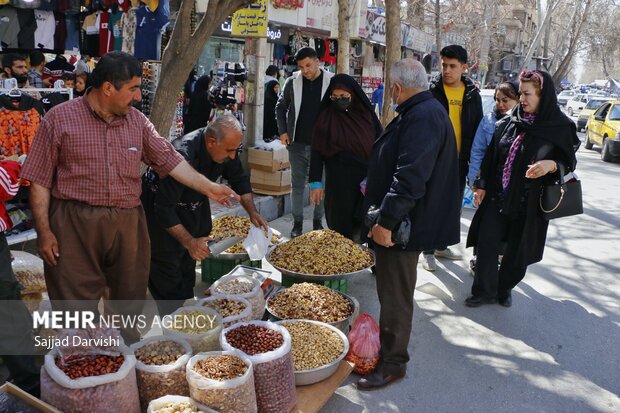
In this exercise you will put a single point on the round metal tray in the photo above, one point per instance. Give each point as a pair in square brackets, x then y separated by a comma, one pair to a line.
[321, 277]
[343, 325]
[243, 256]
[305, 377]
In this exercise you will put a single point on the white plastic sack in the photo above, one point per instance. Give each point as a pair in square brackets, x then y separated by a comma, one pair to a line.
[207, 341]
[166, 401]
[230, 396]
[255, 296]
[245, 315]
[156, 381]
[256, 243]
[116, 392]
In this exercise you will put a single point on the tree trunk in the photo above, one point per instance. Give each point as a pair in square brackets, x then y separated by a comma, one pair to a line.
[483, 65]
[541, 29]
[437, 33]
[564, 65]
[181, 55]
[546, 45]
[342, 65]
[393, 39]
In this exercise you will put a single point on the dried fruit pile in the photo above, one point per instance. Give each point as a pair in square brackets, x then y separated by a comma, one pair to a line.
[313, 345]
[76, 367]
[323, 252]
[310, 302]
[234, 226]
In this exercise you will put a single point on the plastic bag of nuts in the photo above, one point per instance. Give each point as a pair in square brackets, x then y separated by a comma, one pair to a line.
[177, 404]
[200, 326]
[222, 380]
[241, 286]
[160, 367]
[114, 392]
[233, 309]
[268, 346]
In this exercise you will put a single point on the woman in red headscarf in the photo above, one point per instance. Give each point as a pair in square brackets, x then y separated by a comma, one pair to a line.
[344, 133]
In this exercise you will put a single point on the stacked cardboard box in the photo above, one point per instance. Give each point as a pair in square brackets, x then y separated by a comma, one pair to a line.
[270, 172]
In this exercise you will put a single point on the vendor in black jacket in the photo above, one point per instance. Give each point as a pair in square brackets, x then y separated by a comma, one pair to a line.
[179, 218]
[412, 173]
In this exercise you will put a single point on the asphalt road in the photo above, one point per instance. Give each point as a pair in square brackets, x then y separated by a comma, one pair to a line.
[557, 349]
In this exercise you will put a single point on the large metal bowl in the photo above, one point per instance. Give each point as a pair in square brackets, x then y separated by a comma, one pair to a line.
[305, 377]
[342, 325]
[320, 277]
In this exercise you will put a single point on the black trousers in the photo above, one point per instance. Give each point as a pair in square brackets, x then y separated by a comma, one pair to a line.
[496, 230]
[172, 279]
[396, 276]
[16, 328]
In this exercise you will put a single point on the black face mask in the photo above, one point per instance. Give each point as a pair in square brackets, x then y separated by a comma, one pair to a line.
[342, 104]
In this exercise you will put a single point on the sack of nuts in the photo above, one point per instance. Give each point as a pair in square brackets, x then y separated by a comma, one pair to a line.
[160, 367]
[177, 404]
[91, 384]
[222, 380]
[244, 287]
[268, 346]
[200, 326]
[233, 309]
[28, 271]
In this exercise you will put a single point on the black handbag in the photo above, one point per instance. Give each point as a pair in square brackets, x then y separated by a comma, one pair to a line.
[400, 236]
[561, 199]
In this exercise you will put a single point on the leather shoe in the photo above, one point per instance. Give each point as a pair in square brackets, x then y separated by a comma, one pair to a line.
[505, 300]
[298, 228]
[317, 224]
[475, 301]
[377, 379]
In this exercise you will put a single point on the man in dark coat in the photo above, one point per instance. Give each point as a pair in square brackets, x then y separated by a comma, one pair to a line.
[179, 218]
[412, 173]
[461, 99]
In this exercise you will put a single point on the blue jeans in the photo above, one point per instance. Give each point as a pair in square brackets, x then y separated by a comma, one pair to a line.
[299, 156]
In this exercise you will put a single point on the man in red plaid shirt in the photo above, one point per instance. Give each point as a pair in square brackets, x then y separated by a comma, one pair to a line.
[84, 166]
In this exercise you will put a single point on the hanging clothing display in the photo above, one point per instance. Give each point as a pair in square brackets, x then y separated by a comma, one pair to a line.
[149, 28]
[19, 121]
[114, 26]
[46, 26]
[90, 27]
[9, 27]
[27, 28]
[60, 31]
[72, 23]
[128, 31]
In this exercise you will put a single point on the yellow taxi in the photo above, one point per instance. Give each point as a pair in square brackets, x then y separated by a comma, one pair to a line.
[590, 107]
[603, 129]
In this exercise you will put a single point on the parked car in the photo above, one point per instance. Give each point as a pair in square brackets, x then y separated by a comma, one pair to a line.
[603, 129]
[488, 100]
[564, 96]
[590, 107]
[574, 105]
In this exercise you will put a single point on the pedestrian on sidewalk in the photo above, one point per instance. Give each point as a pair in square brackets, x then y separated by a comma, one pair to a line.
[527, 147]
[296, 112]
[413, 172]
[342, 141]
[84, 167]
[461, 99]
[199, 108]
[179, 218]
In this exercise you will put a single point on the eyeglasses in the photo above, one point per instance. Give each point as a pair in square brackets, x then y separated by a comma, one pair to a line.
[532, 74]
[339, 97]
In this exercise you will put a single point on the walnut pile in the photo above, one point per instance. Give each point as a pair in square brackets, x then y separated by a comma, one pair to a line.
[310, 302]
[323, 252]
[235, 226]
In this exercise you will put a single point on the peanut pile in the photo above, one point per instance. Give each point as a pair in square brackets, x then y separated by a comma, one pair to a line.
[323, 252]
[175, 407]
[310, 302]
[76, 367]
[226, 307]
[313, 345]
[221, 368]
[160, 353]
[235, 226]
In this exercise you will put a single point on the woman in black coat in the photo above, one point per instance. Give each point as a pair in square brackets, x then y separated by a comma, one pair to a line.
[270, 126]
[199, 111]
[342, 140]
[524, 155]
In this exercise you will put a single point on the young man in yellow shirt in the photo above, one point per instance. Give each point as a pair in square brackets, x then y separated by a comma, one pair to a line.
[461, 98]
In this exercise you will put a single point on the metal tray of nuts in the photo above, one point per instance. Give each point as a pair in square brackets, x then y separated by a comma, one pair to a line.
[321, 277]
[305, 377]
[243, 256]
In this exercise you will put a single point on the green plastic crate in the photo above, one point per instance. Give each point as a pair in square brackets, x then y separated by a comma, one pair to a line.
[213, 268]
[338, 285]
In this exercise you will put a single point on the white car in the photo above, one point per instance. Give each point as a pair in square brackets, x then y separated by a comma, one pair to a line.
[576, 104]
[564, 96]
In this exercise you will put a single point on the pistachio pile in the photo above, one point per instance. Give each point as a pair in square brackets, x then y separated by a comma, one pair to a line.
[323, 252]
[310, 302]
[160, 353]
[313, 345]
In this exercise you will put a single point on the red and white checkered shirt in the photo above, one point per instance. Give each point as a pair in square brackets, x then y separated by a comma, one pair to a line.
[81, 157]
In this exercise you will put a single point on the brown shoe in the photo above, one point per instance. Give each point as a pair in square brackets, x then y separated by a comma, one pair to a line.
[377, 379]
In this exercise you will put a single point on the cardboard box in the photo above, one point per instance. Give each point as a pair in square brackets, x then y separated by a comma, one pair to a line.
[278, 181]
[27, 398]
[269, 161]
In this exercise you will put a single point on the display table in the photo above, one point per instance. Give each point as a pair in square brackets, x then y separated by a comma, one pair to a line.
[311, 398]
